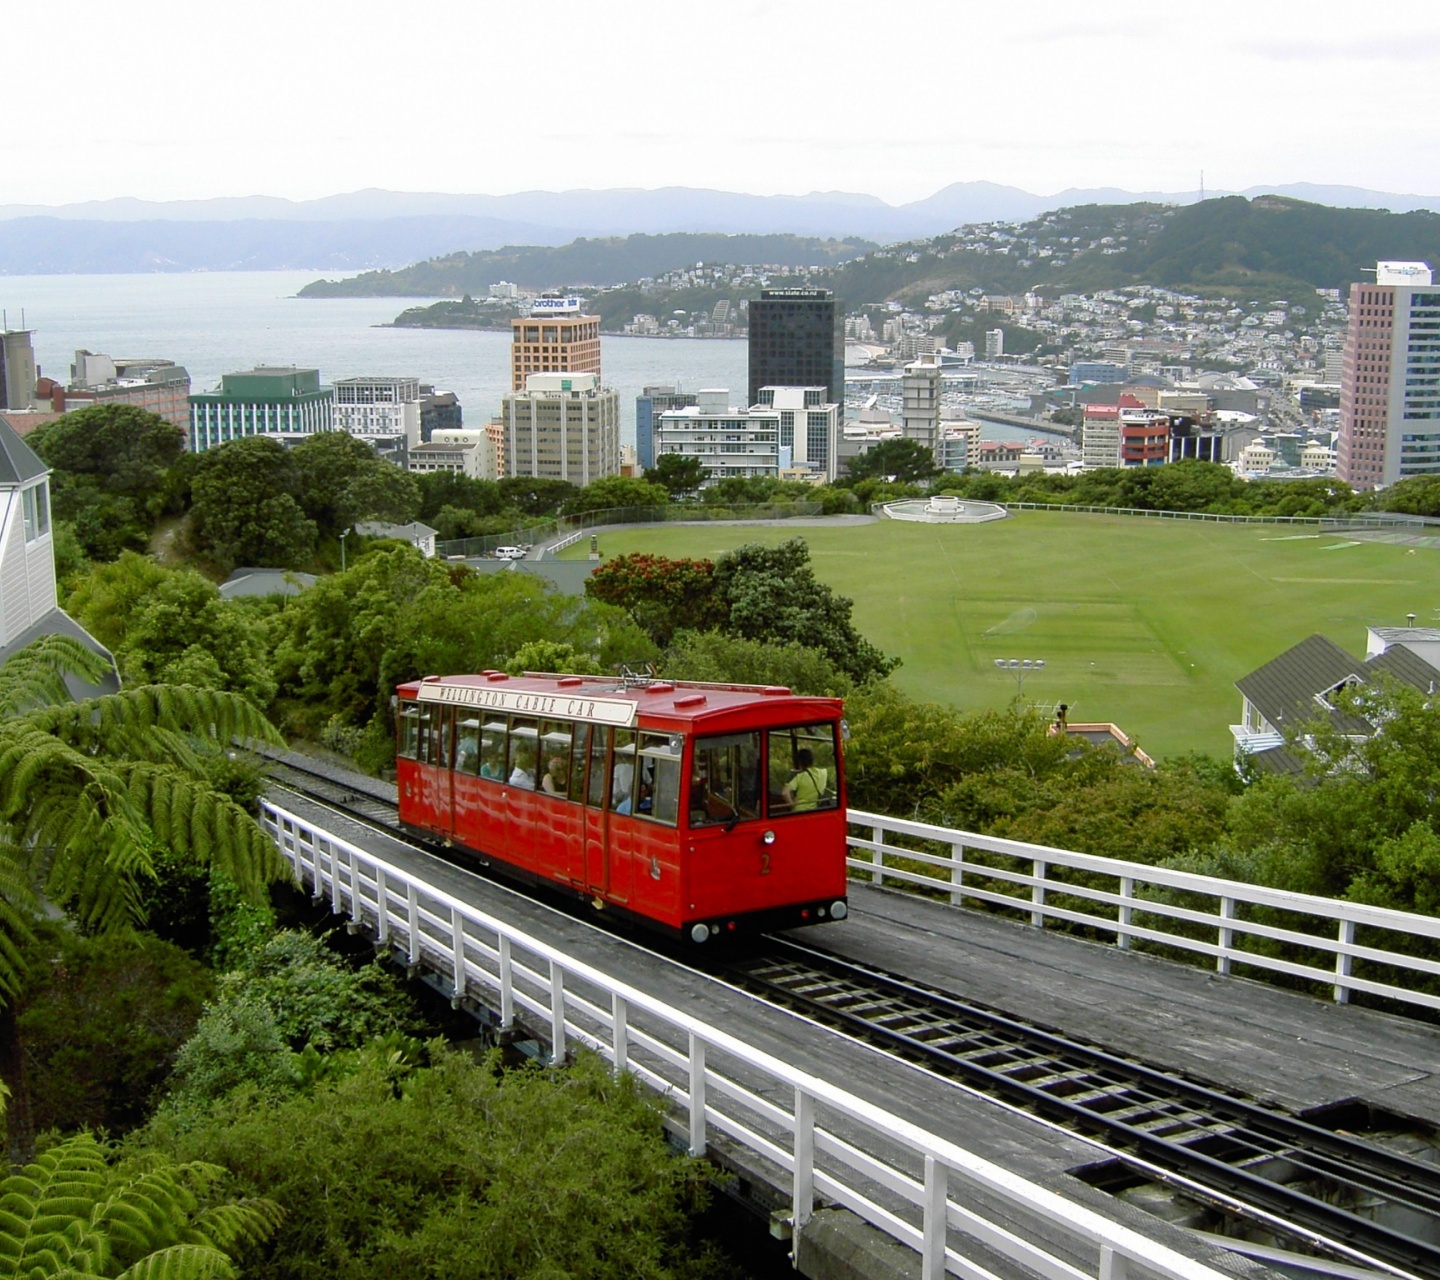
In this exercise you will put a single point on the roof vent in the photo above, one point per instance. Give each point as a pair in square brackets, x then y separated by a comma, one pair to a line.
[569, 682]
[496, 675]
[691, 700]
[775, 691]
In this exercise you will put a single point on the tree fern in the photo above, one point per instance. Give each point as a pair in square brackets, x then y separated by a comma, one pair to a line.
[89, 791]
[72, 1213]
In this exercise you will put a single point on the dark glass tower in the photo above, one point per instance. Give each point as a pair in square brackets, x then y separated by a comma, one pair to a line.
[797, 339]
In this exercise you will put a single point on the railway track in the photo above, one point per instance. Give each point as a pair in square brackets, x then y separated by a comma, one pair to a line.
[1323, 1189]
[1317, 1189]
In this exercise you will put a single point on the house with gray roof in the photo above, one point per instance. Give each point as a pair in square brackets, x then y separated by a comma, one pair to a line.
[1286, 696]
[28, 603]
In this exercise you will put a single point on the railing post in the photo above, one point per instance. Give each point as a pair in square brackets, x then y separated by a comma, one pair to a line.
[957, 874]
[936, 1224]
[1227, 936]
[620, 1031]
[802, 1194]
[357, 906]
[1122, 931]
[507, 986]
[557, 1013]
[1113, 1266]
[697, 1095]
[877, 856]
[1037, 894]
[1344, 962]
[412, 914]
[382, 908]
[336, 906]
[457, 943]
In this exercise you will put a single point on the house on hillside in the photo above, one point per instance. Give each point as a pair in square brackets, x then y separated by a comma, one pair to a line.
[1293, 691]
[28, 603]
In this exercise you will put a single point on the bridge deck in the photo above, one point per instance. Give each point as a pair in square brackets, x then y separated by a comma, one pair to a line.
[1295, 1050]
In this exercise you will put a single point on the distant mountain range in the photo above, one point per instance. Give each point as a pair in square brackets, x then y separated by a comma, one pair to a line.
[378, 229]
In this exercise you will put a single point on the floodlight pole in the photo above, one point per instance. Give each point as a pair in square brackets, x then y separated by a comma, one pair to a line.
[343, 536]
[1020, 668]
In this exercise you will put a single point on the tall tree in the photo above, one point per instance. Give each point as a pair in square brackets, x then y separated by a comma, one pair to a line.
[772, 594]
[681, 474]
[245, 509]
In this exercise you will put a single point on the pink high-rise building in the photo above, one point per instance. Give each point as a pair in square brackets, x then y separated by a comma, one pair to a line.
[1390, 378]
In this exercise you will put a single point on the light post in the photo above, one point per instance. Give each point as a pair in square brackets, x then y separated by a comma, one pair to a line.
[1020, 668]
[343, 536]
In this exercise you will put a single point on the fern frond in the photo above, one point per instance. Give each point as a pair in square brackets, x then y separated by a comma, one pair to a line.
[35, 676]
[189, 817]
[210, 714]
[44, 1199]
[233, 1226]
[181, 1262]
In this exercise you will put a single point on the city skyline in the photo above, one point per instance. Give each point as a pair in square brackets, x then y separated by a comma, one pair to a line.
[300, 103]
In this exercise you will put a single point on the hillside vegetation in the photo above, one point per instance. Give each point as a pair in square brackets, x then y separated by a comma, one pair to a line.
[583, 263]
[1270, 241]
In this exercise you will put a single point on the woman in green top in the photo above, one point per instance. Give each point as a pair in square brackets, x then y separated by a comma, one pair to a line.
[805, 788]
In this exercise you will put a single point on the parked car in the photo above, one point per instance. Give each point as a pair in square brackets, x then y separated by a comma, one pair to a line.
[509, 553]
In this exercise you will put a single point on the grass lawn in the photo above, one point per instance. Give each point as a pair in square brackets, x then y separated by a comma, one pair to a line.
[1147, 623]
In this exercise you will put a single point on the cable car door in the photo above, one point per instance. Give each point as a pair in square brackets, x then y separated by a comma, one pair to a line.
[595, 866]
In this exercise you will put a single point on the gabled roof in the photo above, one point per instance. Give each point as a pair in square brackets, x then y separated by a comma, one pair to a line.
[19, 463]
[1284, 691]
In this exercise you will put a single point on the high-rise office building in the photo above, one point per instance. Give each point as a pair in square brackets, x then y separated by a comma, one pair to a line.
[17, 370]
[562, 427]
[1390, 378]
[554, 338]
[797, 339]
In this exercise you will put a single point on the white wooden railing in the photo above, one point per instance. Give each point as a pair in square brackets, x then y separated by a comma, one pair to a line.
[964, 1215]
[1133, 902]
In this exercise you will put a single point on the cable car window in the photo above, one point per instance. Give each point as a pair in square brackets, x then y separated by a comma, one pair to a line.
[658, 794]
[599, 748]
[554, 765]
[802, 772]
[409, 730]
[492, 750]
[524, 743]
[425, 736]
[467, 747]
[622, 771]
[725, 779]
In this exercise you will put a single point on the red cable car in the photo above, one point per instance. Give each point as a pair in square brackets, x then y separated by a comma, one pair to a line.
[699, 809]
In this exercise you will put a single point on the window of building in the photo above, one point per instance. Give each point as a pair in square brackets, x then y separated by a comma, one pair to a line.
[35, 503]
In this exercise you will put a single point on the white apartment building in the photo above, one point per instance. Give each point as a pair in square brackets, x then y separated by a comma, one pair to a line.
[727, 441]
[380, 411]
[563, 426]
[809, 427]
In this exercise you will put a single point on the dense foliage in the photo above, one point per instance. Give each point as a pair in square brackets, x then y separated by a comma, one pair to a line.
[764, 594]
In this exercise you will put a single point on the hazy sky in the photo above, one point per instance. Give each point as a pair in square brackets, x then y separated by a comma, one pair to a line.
[174, 99]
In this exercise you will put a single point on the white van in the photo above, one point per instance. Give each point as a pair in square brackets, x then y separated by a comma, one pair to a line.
[509, 553]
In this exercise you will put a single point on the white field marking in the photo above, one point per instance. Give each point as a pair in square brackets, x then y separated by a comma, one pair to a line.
[1294, 537]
